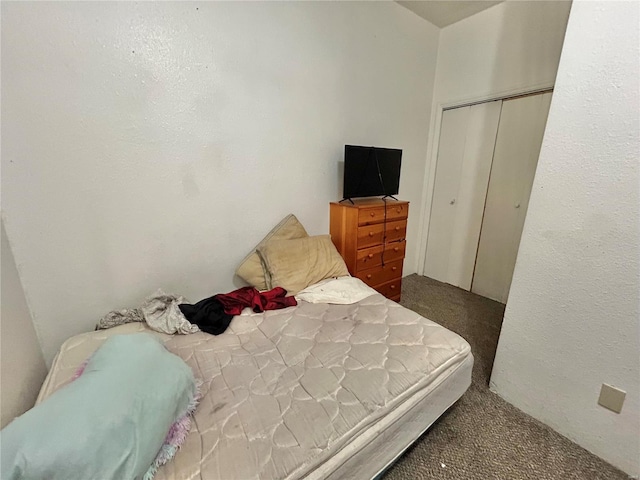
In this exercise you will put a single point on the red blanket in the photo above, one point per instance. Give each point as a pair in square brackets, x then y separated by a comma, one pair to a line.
[234, 302]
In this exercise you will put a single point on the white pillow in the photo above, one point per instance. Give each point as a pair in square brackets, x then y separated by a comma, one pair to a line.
[342, 290]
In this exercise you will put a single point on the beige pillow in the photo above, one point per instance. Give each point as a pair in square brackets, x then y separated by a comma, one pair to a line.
[250, 269]
[296, 264]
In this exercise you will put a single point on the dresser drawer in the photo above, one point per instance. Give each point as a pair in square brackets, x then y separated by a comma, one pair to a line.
[378, 275]
[391, 289]
[369, 216]
[370, 235]
[372, 257]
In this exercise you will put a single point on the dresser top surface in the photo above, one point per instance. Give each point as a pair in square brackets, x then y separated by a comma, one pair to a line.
[370, 202]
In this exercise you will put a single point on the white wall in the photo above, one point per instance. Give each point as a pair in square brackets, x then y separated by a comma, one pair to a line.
[510, 48]
[22, 367]
[153, 144]
[507, 48]
[572, 318]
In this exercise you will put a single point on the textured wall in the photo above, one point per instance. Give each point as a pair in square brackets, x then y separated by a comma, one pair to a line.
[22, 367]
[153, 144]
[572, 318]
[511, 46]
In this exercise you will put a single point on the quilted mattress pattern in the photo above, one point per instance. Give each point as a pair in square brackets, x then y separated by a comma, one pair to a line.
[285, 390]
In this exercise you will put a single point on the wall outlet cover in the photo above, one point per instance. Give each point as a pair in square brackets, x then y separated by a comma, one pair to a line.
[611, 398]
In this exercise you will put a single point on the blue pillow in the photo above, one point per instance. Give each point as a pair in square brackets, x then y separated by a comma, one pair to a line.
[109, 423]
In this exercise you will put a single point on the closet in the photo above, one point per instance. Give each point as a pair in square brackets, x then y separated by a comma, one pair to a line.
[487, 157]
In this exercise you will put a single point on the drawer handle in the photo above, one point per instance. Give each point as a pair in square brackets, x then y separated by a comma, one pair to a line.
[368, 276]
[393, 269]
[370, 255]
[392, 287]
[397, 229]
[371, 234]
[373, 214]
[399, 209]
[396, 249]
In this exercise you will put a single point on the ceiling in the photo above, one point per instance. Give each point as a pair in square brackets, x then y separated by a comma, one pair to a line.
[443, 13]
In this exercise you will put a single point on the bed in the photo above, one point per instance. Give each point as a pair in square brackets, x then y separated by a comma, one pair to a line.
[316, 391]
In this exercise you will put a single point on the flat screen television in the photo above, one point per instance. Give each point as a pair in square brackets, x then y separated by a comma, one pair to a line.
[371, 171]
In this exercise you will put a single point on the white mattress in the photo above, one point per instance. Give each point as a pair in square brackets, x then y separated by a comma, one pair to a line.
[313, 391]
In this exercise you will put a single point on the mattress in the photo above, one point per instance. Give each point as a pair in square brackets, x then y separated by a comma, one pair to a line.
[313, 391]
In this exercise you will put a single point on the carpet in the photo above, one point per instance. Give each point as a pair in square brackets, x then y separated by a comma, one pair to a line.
[483, 436]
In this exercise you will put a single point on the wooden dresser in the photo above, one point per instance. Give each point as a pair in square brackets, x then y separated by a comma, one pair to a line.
[359, 231]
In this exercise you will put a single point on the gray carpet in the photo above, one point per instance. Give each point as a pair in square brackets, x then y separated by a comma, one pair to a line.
[482, 436]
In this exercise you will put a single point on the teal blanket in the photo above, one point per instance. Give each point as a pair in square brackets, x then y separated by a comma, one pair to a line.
[110, 423]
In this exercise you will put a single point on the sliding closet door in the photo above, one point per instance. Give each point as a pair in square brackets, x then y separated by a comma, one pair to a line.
[467, 138]
[517, 148]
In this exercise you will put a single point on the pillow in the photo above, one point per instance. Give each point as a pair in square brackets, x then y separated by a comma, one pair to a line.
[109, 423]
[296, 264]
[250, 269]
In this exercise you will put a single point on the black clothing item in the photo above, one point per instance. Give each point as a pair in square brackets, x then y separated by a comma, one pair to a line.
[213, 315]
[208, 314]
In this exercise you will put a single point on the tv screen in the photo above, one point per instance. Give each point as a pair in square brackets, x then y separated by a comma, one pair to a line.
[371, 171]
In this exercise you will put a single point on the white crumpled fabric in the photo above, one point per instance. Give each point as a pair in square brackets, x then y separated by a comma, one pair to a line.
[160, 311]
[341, 290]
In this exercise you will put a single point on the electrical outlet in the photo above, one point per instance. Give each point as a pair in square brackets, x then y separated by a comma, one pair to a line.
[611, 398]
